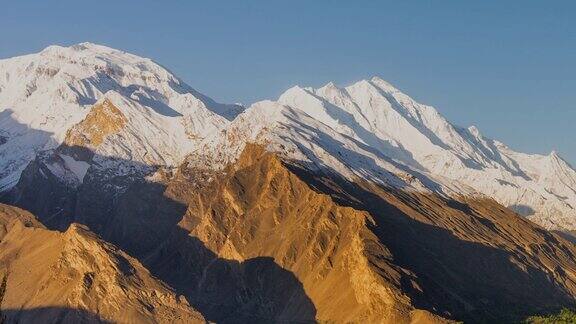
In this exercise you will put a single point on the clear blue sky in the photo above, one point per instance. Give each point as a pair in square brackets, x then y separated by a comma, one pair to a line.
[508, 67]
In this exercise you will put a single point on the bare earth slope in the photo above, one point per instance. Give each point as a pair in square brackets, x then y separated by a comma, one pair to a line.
[72, 277]
[468, 259]
[258, 208]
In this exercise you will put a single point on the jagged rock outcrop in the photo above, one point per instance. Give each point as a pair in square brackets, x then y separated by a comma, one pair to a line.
[72, 277]
[259, 208]
[385, 255]
[104, 119]
[256, 243]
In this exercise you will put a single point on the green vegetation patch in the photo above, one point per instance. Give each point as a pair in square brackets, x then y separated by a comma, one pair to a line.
[565, 316]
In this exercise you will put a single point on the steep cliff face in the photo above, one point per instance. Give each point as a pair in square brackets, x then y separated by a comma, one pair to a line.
[367, 253]
[48, 189]
[70, 277]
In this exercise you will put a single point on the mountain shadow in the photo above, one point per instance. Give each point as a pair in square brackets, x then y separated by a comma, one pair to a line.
[143, 222]
[18, 144]
[50, 315]
[523, 210]
[147, 224]
[365, 165]
[149, 97]
[471, 260]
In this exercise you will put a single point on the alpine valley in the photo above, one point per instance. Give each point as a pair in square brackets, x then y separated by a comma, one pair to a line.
[129, 197]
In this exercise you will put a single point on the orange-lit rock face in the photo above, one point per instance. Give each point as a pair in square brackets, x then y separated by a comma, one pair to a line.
[103, 119]
[258, 208]
[77, 277]
[365, 253]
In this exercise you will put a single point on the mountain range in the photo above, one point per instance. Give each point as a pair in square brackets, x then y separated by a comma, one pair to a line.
[154, 203]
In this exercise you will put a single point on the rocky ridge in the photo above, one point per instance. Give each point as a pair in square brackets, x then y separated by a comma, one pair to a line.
[46, 274]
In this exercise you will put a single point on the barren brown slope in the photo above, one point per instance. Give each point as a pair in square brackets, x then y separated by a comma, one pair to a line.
[391, 253]
[12, 216]
[471, 258]
[258, 208]
[72, 277]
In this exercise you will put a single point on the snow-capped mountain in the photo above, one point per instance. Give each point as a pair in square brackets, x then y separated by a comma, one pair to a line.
[124, 107]
[373, 131]
[44, 95]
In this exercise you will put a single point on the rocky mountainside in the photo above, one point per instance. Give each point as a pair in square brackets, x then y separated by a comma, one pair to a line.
[267, 240]
[351, 204]
[52, 277]
[388, 253]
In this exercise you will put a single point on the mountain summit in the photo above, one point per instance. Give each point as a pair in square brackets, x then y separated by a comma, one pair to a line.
[44, 95]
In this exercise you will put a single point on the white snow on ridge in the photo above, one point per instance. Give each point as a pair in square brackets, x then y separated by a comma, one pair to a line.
[372, 130]
[43, 95]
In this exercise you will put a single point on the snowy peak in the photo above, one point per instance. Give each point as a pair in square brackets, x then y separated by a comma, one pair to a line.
[330, 87]
[474, 131]
[556, 158]
[83, 73]
[383, 85]
[47, 97]
[374, 131]
[368, 111]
